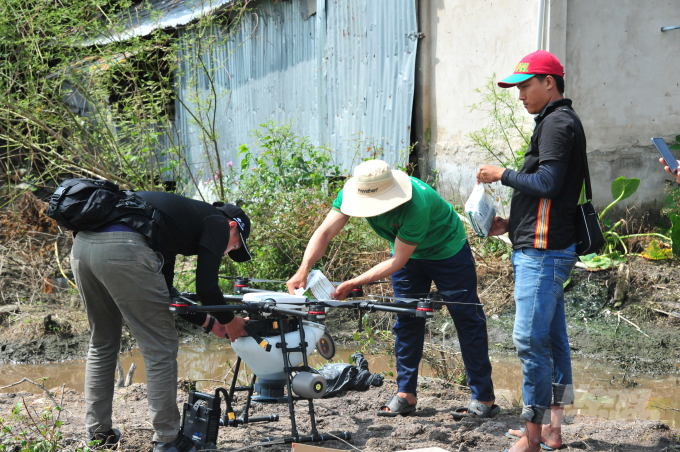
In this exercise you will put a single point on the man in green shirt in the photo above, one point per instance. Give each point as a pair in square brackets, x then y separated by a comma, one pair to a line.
[428, 244]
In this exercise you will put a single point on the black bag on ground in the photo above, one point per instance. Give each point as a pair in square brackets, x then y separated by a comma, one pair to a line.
[589, 237]
[85, 204]
[343, 377]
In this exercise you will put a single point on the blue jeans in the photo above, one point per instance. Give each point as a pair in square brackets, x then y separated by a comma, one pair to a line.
[540, 332]
[454, 273]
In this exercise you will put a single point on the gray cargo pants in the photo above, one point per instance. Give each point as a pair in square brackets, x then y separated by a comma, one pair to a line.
[119, 276]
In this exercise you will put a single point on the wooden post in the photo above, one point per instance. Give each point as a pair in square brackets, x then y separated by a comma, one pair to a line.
[119, 368]
[131, 372]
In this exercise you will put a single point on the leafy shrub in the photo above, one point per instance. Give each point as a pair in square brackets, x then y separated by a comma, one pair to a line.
[34, 432]
[287, 191]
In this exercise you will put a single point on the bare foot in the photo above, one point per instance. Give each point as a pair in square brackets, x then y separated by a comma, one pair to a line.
[523, 446]
[550, 436]
[410, 398]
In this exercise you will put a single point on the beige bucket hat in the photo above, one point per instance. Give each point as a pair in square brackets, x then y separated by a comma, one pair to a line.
[375, 189]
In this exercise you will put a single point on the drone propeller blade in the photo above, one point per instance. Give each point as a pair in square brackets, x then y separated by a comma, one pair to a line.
[407, 300]
[339, 304]
[255, 280]
[413, 300]
[446, 293]
[337, 283]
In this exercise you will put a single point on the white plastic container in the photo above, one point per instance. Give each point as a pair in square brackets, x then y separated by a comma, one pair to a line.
[269, 365]
[480, 209]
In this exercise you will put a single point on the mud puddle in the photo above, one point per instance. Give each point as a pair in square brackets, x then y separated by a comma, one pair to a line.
[602, 389]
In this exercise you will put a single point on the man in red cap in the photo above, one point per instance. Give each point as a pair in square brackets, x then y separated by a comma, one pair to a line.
[545, 194]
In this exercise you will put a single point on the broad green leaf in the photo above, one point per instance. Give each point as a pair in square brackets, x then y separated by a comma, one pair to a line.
[675, 147]
[607, 223]
[624, 188]
[588, 257]
[602, 262]
[677, 138]
[674, 233]
[654, 252]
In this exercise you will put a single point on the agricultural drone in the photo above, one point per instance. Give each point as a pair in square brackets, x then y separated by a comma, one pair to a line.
[283, 331]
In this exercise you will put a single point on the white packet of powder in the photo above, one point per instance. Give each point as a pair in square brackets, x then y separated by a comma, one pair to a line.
[480, 209]
[318, 285]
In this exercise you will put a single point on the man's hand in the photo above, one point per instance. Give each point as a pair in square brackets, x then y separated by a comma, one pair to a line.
[668, 170]
[299, 280]
[343, 290]
[499, 226]
[235, 328]
[219, 330]
[488, 174]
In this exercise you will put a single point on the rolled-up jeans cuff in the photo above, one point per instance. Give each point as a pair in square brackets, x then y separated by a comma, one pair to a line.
[563, 394]
[536, 414]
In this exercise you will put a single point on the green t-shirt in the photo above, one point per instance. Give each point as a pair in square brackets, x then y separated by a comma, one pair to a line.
[426, 220]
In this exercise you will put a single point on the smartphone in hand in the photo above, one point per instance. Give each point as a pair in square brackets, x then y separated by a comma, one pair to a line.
[665, 152]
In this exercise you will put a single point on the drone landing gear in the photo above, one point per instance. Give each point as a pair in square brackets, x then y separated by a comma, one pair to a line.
[202, 418]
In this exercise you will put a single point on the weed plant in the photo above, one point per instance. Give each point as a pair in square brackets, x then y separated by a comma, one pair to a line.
[287, 187]
[35, 432]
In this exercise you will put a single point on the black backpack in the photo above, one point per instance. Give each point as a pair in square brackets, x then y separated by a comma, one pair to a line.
[86, 204]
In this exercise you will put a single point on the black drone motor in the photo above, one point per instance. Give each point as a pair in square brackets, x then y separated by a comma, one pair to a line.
[241, 285]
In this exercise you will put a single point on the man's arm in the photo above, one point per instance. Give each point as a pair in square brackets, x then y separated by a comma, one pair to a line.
[402, 253]
[209, 292]
[544, 183]
[316, 247]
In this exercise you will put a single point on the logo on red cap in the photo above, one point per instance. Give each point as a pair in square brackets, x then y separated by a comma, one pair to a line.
[522, 67]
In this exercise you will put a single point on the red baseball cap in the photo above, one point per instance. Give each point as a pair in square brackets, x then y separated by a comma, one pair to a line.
[539, 62]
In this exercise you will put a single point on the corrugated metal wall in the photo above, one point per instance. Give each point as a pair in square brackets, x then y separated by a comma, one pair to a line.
[345, 76]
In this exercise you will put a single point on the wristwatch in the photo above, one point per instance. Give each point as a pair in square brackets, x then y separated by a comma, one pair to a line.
[209, 328]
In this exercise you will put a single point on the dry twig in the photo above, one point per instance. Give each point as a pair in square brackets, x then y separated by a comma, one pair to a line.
[636, 327]
[33, 383]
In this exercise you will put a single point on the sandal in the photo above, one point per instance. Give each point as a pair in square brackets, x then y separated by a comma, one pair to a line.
[398, 406]
[460, 412]
[482, 411]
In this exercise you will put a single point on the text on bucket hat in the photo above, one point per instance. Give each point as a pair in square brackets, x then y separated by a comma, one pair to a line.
[538, 62]
[375, 189]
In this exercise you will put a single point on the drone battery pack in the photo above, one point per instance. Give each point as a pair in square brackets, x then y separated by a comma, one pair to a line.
[201, 418]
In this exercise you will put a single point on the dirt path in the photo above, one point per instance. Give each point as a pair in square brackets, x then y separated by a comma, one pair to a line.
[432, 425]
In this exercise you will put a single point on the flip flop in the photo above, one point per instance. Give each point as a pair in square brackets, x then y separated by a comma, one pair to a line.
[482, 411]
[398, 406]
[460, 412]
[543, 446]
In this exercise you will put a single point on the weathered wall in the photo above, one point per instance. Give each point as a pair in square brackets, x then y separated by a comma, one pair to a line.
[465, 43]
[621, 73]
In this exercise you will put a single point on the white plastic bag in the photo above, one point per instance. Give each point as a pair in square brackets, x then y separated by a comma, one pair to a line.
[480, 210]
[318, 285]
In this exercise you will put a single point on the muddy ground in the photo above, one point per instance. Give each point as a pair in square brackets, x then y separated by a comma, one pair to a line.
[432, 425]
[42, 322]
